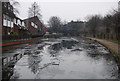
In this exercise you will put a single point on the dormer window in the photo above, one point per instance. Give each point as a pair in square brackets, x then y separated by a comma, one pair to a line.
[5, 23]
[9, 22]
[5, 4]
[11, 9]
[15, 21]
[23, 24]
[18, 22]
[32, 24]
[8, 6]
[36, 26]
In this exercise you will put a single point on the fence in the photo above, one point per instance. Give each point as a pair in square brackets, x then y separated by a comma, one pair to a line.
[108, 36]
[105, 36]
[10, 37]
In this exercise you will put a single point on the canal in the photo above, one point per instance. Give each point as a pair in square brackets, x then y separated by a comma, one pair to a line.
[63, 58]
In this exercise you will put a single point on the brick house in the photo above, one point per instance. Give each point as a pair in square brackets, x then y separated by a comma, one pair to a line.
[34, 25]
[7, 18]
[14, 26]
[19, 27]
[11, 24]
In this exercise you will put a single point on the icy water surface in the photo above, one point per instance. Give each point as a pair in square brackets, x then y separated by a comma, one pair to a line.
[65, 58]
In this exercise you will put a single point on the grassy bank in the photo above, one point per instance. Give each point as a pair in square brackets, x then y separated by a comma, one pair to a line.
[112, 40]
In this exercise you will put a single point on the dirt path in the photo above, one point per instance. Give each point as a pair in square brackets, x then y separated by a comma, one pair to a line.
[112, 46]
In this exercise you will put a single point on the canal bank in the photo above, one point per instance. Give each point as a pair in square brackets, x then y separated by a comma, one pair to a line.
[113, 47]
[17, 43]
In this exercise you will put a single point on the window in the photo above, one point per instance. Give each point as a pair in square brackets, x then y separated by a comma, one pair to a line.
[11, 24]
[4, 20]
[15, 21]
[5, 4]
[32, 24]
[8, 23]
[18, 22]
[36, 26]
[11, 8]
[23, 24]
[8, 6]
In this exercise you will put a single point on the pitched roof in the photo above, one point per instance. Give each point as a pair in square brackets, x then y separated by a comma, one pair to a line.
[32, 18]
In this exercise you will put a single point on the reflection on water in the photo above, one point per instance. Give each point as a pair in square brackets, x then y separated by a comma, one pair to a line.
[66, 58]
[33, 62]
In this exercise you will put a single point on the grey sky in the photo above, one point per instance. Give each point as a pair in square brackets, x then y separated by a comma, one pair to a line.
[69, 10]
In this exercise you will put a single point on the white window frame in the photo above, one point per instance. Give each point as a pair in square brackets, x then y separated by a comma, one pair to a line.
[18, 22]
[32, 24]
[5, 23]
[23, 24]
[15, 21]
[9, 7]
[5, 4]
[36, 26]
[11, 24]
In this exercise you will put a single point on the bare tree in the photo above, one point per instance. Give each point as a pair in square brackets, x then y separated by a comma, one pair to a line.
[15, 5]
[55, 23]
[35, 10]
[93, 24]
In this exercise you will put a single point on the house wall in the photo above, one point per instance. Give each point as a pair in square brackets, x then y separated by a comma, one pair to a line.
[11, 24]
[1, 19]
[31, 28]
[7, 18]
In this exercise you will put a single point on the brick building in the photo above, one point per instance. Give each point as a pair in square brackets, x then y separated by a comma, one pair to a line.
[19, 27]
[11, 24]
[73, 28]
[14, 26]
[34, 25]
[7, 18]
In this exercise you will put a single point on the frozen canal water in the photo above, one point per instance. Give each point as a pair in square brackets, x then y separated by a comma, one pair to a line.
[65, 58]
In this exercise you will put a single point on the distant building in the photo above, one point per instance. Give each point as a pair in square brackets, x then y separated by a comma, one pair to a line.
[34, 25]
[73, 27]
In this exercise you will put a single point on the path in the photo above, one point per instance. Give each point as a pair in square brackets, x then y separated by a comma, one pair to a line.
[113, 46]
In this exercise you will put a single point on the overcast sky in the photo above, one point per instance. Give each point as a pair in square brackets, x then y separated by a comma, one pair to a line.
[68, 10]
